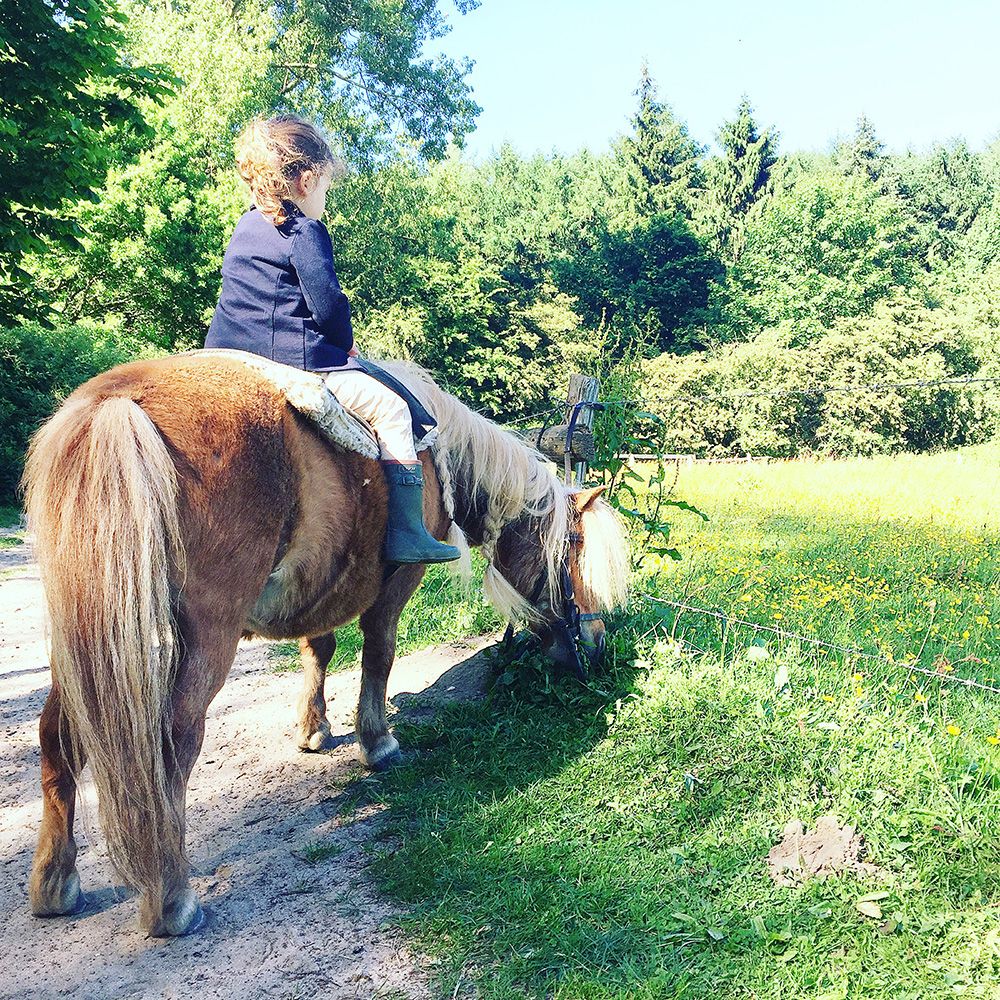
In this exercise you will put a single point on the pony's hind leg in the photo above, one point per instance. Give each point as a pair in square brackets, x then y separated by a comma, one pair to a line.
[378, 625]
[54, 888]
[171, 907]
[314, 727]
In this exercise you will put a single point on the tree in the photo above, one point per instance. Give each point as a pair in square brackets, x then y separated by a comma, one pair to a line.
[63, 84]
[360, 65]
[650, 283]
[660, 159]
[742, 179]
[863, 155]
[151, 261]
[945, 192]
[828, 247]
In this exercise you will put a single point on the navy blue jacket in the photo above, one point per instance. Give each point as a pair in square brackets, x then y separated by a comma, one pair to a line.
[280, 295]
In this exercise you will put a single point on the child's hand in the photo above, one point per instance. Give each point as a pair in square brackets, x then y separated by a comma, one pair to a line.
[353, 353]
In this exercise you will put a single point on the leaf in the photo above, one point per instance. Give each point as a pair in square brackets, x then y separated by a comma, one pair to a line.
[682, 505]
[690, 781]
[781, 677]
[875, 897]
[869, 909]
[757, 923]
[716, 935]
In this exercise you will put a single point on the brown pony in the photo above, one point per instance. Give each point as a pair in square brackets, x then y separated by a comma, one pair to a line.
[180, 504]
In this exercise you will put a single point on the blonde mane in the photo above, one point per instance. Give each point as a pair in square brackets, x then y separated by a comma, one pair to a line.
[506, 479]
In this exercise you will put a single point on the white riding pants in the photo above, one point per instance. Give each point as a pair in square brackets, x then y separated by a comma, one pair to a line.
[387, 413]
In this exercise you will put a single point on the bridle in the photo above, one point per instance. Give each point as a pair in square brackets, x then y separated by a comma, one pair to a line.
[568, 626]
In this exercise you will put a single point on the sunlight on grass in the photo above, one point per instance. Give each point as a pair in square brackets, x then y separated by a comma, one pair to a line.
[895, 557]
[608, 840]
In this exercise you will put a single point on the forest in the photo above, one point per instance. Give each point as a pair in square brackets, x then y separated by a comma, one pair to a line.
[757, 300]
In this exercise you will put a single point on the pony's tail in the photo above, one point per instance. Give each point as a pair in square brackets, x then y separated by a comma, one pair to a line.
[101, 500]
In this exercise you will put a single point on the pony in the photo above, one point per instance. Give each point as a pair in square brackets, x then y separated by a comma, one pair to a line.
[180, 504]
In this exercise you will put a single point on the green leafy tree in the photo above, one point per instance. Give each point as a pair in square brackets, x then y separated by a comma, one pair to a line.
[451, 265]
[945, 192]
[64, 82]
[864, 154]
[649, 284]
[828, 247]
[361, 64]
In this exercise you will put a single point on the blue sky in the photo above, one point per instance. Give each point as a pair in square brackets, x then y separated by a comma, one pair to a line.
[560, 74]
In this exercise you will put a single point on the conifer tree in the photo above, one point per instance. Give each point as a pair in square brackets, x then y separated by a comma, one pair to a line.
[864, 154]
[743, 178]
[660, 158]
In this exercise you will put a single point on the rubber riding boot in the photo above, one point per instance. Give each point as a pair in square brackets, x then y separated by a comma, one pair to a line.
[406, 537]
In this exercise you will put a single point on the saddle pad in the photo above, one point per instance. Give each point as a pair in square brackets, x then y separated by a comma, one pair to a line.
[306, 392]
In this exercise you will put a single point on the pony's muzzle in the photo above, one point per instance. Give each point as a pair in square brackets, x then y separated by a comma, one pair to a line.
[593, 648]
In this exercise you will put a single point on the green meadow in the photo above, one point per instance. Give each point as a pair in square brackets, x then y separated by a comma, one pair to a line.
[608, 840]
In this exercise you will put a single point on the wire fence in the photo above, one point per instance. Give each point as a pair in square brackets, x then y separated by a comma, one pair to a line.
[729, 621]
[646, 403]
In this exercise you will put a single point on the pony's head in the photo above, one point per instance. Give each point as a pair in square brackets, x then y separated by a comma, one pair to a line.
[561, 574]
[557, 558]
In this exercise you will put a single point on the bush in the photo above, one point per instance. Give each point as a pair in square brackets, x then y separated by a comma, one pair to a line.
[735, 401]
[39, 367]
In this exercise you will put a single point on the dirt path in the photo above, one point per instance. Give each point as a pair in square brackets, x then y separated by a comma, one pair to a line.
[277, 927]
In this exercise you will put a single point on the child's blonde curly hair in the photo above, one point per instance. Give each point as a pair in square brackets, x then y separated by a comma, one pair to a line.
[271, 155]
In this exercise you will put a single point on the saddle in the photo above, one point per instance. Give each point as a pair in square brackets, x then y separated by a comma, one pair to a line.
[306, 392]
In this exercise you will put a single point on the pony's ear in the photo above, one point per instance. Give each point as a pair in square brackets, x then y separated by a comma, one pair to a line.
[585, 498]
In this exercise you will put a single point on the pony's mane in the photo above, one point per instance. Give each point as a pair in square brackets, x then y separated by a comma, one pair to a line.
[505, 479]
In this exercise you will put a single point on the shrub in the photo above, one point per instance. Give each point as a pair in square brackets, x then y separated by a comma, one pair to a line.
[735, 401]
[39, 367]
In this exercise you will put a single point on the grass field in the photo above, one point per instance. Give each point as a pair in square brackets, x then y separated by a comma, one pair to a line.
[570, 841]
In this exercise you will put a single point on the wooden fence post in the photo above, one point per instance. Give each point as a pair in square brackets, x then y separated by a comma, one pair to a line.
[582, 389]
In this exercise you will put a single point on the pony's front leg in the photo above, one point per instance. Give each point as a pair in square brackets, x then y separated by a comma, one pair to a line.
[379, 623]
[314, 727]
[54, 888]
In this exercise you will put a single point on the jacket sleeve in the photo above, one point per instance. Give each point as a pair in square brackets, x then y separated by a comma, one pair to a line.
[312, 257]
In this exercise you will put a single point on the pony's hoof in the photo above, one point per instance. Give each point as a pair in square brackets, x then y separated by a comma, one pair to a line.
[322, 739]
[386, 754]
[184, 916]
[71, 901]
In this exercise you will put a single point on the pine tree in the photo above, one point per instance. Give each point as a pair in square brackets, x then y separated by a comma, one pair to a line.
[863, 155]
[660, 158]
[743, 178]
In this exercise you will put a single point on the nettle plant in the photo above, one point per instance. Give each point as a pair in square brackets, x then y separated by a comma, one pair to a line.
[641, 489]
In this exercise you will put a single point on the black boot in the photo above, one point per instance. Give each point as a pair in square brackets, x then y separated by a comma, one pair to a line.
[406, 537]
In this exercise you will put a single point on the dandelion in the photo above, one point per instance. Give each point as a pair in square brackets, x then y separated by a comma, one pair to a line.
[954, 730]
[920, 698]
